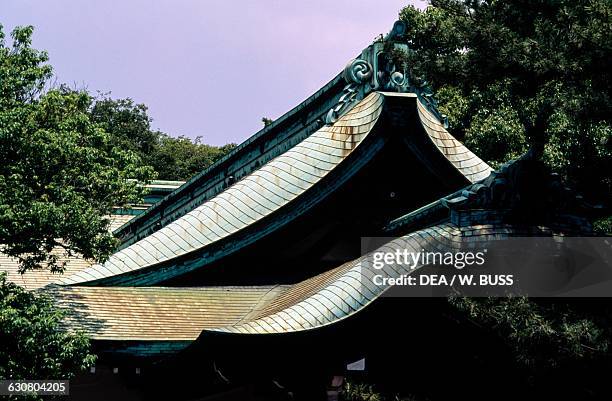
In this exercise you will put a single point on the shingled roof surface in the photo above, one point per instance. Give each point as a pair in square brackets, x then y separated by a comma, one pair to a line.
[182, 314]
[155, 313]
[170, 314]
[464, 160]
[163, 313]
[252, 198]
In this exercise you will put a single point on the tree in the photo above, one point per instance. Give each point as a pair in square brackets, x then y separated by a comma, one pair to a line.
[61, 173]
[33, 344]
[172, 158]
[180, 158]
[513, 75]
[517, 75]
[127, 122]
[541, 336]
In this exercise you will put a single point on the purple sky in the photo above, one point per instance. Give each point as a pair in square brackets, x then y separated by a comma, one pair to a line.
[211, 68]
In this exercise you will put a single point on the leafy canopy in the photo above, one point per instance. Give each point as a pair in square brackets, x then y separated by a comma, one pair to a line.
[60, 171]
[32, 341]
[128, 123]
[172, 158]
[180, 158]
[517, 75]
[511, 75]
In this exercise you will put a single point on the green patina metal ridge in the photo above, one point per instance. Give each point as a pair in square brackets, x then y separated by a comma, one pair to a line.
[373, 70]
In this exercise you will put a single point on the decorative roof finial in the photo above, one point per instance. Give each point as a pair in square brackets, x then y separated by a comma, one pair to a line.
[375, 69]
[398, 31]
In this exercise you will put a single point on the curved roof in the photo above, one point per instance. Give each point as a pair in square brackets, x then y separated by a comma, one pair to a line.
[249, 200]
[181, 314]
[272, 140]
[338, 293]
[265, 183]
[275, 185]
[463, 159]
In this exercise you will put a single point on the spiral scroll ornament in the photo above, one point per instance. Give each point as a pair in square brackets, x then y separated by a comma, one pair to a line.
[398, 80]
[358, 71]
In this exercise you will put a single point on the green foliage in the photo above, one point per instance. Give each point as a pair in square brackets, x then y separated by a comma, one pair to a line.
[180, 158]
[127, 122]
[515, 74]
[498, 134]
[22, 72]
[495, 130]
[520, 74]
[60, 171]
[266, 121]
[603, 226]
[32, 342]
[541, 336]
[454, 105]
[172, 158]
[354, 391]
[68, 159]
[357, 391]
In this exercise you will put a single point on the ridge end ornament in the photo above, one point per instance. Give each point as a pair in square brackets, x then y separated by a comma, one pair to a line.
[374, 69]
[358, 71]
